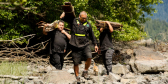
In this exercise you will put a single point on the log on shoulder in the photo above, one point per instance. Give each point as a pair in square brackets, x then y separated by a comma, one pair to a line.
[69, 10]
[102, 24]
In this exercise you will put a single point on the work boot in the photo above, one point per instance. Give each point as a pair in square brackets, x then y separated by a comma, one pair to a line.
[85, 75]
[78, 80]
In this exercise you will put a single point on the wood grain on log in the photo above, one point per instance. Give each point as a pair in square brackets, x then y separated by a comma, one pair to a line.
[69, 10]
[102, 24]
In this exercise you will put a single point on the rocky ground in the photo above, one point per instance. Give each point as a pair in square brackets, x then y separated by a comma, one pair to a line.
[132, 64]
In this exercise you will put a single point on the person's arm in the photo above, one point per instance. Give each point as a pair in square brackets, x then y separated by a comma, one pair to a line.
[44, 32]
[66, 33]
[110, 27]
[93, 38]
[66, 19]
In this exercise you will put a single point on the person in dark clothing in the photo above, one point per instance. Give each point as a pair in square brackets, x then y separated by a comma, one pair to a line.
[81, 31]
[58, 44]
[106, 47]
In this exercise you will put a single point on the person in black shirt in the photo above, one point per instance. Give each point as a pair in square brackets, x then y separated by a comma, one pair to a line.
[81, 31]
[106, 47]
[58, 44]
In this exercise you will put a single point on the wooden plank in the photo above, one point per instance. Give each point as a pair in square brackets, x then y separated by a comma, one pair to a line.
[69, 10]
[102, 24]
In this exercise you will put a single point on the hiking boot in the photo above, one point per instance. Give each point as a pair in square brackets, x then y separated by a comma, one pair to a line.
[78, 80]
[85, 75]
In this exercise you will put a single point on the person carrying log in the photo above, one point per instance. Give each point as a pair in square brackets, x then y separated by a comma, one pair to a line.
[106, 47]
[58, 44]
[81, 31]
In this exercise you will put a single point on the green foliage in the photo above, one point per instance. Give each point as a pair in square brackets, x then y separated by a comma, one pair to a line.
[130, 13]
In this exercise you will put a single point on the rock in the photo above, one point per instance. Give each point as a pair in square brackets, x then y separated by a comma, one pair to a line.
[129, 76]
[116, 83]
[140, 78]
[102, 70]
[38, 82]
[71, 71]
[114, 77]
[128, 81]
[89, 82]
[119, 69]
[145, 66]
[15, 77]
[29, 82]
[48, 68]
[165, 74]
[59, 77]
[24, 80]
[33, 78]
[97, 79]
[128, 67]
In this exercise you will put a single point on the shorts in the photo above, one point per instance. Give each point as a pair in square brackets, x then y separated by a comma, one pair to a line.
[79, 55]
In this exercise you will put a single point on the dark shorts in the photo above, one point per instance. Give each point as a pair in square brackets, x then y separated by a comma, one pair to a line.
[79, 55]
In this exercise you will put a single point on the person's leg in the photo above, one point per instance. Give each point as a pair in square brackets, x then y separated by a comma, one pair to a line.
[62, 59]
[108, 60]
[88, 56]
[76, 70]
[57, 63]
[76, 56]
[87, 63]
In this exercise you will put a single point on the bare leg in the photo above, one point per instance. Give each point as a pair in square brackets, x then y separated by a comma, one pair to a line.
[87, 63]
[76, 70]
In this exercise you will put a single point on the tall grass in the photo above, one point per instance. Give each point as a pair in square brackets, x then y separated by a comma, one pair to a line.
[13, 68]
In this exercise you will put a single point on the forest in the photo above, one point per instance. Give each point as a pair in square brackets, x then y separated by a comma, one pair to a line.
[19, 17]
[157, 27]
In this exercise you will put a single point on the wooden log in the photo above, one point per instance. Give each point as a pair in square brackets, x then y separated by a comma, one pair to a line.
[51, 26]
[69, 10]
[102, 24]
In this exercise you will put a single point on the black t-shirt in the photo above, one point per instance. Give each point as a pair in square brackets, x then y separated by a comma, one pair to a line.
[58, 42]
[105, 40]
[80, 41]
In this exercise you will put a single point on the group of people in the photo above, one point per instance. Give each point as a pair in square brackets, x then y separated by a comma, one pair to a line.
[78, 40]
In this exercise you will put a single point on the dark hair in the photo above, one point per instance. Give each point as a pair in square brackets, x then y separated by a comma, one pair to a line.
[60, 21]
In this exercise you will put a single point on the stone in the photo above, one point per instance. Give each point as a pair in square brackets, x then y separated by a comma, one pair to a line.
[15, 77]
[129, 76]
[48, 68]
[140, 78]
[24, 80]
[116, 83]
[166, 74]
[145, 66]
[128, 81]
[102, 70]
[29, 82]
[33, 78]
[71, 71]
[59, 77]
[119, 69]
[114, 77]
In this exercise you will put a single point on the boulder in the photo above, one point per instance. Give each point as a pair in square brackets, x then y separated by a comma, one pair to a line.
[119, 69]
[59, 77]
[144, 66]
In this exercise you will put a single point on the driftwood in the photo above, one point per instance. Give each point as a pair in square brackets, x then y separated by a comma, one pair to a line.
[69, 10]
[50, 26]
[102, 24]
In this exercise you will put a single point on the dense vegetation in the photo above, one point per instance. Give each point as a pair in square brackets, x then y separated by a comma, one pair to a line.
[19, 17]
[157, 29]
